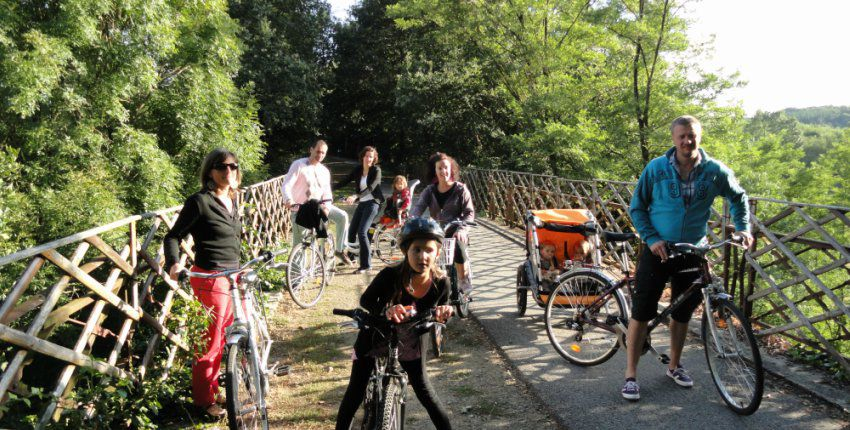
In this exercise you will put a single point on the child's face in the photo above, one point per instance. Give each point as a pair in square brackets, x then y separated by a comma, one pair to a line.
[398, 186]
[579, 254]
[547, 251]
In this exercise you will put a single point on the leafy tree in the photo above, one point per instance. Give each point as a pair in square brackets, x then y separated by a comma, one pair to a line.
[108, 107]
[286, 62]
[360, 104]
[835, 116]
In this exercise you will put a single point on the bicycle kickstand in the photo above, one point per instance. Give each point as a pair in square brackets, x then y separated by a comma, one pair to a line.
[278, 369]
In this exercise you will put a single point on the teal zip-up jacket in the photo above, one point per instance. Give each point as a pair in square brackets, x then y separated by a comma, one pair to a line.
[658, 210]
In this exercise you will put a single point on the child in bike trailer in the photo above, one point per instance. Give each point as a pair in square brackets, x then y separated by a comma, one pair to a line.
[398, 203]
[549, 267]
[416, 282]
[582, 255]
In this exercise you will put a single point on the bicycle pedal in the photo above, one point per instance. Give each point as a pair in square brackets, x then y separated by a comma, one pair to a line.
[280, 370]
[664, 358]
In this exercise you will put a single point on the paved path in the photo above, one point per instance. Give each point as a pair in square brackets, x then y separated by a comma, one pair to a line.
[589, 397]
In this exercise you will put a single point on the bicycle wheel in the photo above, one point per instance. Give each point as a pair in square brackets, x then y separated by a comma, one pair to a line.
[327, 246]
[733, 357]
[582, 335]
[260, 331]
[390, 408]
[459, 299]
[385, 242]
[437, 340]
[243, 389]
[366, 419]
[521, 293]
[305, 275]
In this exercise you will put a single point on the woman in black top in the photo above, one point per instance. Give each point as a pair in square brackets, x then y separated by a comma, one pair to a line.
[416, 282]
[212, 218]
[367, 178]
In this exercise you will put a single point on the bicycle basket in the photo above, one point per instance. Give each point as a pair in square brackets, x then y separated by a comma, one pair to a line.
[447, 255]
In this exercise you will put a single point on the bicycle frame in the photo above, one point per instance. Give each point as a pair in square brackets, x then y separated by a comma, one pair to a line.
[387, 367]
[244, 312]
[710, 290]
[390, 369]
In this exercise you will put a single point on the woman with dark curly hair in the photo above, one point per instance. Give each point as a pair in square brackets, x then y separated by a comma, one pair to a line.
[447, 200]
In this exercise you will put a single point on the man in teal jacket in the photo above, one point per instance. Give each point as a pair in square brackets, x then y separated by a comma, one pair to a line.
[672, 203]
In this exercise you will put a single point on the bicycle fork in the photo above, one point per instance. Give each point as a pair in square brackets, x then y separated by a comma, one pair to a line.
[708, 309]
[244, 327]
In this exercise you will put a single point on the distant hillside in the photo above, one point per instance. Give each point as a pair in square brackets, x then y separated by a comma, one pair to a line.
[836, 116]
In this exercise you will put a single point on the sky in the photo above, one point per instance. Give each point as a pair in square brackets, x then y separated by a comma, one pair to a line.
[792, 53]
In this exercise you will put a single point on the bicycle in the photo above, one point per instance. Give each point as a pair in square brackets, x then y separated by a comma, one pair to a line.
[587, 320]
[383, 235]
[383, 405]
[457, 297]
[309, 268]
[248, 345]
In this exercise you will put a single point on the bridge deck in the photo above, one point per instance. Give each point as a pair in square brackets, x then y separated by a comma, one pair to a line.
[589, 397]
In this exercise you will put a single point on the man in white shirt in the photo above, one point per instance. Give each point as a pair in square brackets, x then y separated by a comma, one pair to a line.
[309, 179]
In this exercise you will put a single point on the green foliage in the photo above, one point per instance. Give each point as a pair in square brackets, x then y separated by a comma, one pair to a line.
[104, 402]
[835, 116]
[108, 108]
[287, 51]
[812, 357]
[565, 87]
[16, 411]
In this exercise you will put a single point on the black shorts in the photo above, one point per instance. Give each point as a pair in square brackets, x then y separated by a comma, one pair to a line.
[651, 278]
[460, 252]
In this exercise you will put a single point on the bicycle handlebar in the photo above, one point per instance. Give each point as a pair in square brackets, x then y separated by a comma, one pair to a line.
[263, 257]
[736, 240]
[366, 319]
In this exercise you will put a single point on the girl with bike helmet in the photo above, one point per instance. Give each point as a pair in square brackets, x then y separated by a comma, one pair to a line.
[415, 283]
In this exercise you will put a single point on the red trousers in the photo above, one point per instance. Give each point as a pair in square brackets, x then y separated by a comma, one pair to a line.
[214, 294]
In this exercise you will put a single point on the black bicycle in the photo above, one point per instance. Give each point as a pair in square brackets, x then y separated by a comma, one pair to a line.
[384, 403]
[587, 320]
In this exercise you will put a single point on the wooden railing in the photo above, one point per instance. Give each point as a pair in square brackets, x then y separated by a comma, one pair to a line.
[794, 283]
[81, 299]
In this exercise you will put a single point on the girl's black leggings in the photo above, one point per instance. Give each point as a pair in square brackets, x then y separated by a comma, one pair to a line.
[361, 369]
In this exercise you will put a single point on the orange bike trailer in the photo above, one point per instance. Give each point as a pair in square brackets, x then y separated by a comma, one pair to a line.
[565, 244]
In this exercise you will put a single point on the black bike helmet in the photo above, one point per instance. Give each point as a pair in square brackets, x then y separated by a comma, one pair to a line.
[419, 228]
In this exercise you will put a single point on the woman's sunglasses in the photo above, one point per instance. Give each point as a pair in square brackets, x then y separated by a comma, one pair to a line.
[224, 166]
